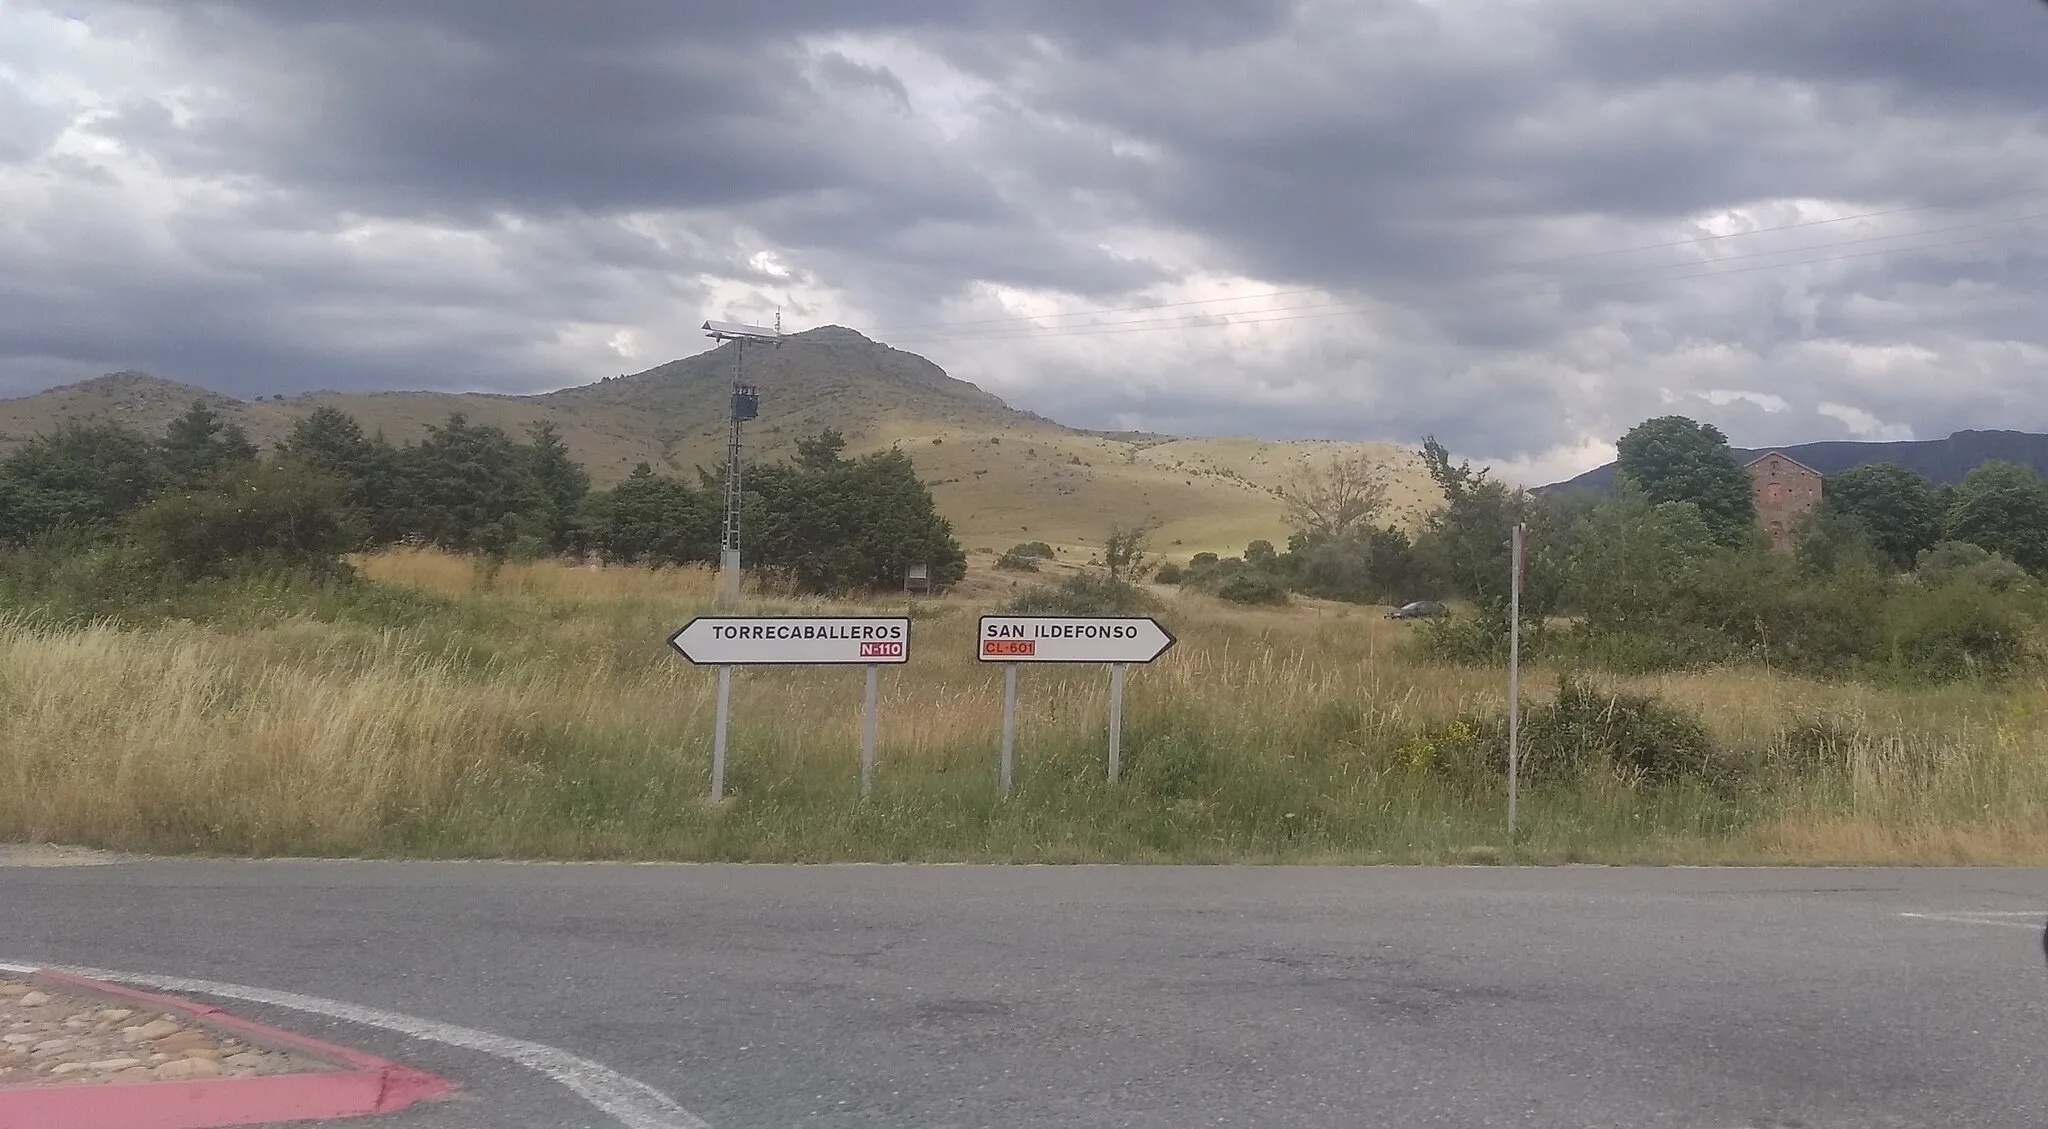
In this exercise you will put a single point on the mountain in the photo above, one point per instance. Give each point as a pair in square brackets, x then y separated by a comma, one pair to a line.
[1001, 475]
[1941, 460]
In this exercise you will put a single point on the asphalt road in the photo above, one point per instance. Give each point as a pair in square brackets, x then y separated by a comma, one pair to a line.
[761, 997]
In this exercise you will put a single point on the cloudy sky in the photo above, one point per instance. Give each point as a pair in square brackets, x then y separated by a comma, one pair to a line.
[1521, 225]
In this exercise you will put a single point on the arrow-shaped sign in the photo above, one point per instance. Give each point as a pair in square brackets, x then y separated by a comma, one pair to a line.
[1071, 639]
[793, 640]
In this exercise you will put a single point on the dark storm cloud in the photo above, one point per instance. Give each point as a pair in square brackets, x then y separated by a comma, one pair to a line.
[614, 164]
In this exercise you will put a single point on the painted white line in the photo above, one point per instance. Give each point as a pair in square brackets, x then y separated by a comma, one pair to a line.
[1997, 918]
[632, 1103]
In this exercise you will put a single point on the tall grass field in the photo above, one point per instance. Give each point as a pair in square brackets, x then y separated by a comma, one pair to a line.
[536, 711]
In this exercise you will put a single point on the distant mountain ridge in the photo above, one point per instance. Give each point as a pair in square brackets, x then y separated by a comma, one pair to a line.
[1001, 475]
[1941, 460]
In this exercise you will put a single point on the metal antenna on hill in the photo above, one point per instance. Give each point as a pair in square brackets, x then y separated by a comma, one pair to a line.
[745, 405]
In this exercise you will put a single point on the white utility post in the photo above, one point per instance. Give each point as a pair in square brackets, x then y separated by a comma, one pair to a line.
[1515, 672]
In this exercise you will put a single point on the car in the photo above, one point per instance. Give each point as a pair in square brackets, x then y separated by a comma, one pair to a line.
[1419, 609]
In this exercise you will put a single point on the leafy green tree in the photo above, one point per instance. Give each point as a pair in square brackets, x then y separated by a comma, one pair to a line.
[846, 524]
[1123, 552]
[820, 451]
[562, 481]
[1627, 559]
[1675, 459]
[84, 477]
[2003, 506]
[1367, 566]
[197, 444]
[653, 519]
[1465, 545]
[1899, 507]
[330, 440]
[1261, 554]
[285, 514]
[471, 489]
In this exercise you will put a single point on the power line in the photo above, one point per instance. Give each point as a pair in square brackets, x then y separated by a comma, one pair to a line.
[1344, 308]
[1516, 265]
[1503, 285]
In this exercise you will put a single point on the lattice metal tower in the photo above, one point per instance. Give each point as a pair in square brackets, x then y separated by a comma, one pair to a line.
[744, 405]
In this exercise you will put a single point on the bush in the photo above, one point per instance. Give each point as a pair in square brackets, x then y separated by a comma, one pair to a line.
[281, 516]
[1032, 549]
[1250, 586]
[1639, 737]
[1952, 561]
[1169, 573]
[1082, 595]
[1962, 629]
[1014, 561]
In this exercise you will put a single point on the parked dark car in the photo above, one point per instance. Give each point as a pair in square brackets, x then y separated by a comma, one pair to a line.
[1420, 609]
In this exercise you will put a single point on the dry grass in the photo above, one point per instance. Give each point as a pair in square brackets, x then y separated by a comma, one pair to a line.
[541, 715]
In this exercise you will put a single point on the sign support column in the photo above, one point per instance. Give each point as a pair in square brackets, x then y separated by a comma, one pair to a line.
[1515, 676]
[1112, 641]
[867, 733]
[718, 733]
[1116, 719]
[726, 641]
[1009, 721]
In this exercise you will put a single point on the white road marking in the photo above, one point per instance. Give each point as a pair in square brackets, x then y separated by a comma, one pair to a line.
[630, 1102]
[2029, 919]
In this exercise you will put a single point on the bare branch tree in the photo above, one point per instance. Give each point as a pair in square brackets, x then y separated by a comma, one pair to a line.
[1336, 498]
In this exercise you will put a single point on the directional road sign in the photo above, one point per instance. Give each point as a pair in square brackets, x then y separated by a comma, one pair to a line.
[1071, 639]
[790, 640]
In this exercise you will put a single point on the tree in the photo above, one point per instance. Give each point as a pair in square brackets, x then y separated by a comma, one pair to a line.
[846, 524]
[652, 519]
[83, 477]
[1899, 508]
[1335, 498]
[1372, 566]
[820, 450]
[1628, 557]
[374, 486]
[197, 444]
[2003, 506]
[1123, 551]
[1464, 544]
[561, 480]
[1675, 459]
[472, 489]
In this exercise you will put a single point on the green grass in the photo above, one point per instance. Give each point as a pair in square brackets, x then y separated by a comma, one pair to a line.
[544, 717]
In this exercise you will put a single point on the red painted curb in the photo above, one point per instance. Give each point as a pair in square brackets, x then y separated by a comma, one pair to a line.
[366, 1084]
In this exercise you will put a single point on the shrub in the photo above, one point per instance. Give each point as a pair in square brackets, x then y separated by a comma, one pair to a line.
[1639, 737]
[1082, 595]
[1014, 561]
[1169, 573]
[1962, 629]
[1250, 586]
[1032, 549]
[1952, 561]
[280, 516]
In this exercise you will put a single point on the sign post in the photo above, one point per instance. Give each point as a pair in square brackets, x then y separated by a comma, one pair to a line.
[804, 640]
[1114, 640]
[1518, 545]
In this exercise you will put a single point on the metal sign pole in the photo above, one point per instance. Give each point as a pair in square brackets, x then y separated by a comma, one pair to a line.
[718, 734]
[1514, 677]
[867, 733]
[1116, 718]
[1009, 721]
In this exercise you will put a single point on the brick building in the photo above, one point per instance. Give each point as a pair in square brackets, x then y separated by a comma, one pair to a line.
[1786, 490]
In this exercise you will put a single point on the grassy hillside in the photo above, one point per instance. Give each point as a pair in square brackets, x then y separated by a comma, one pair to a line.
[999, 474]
